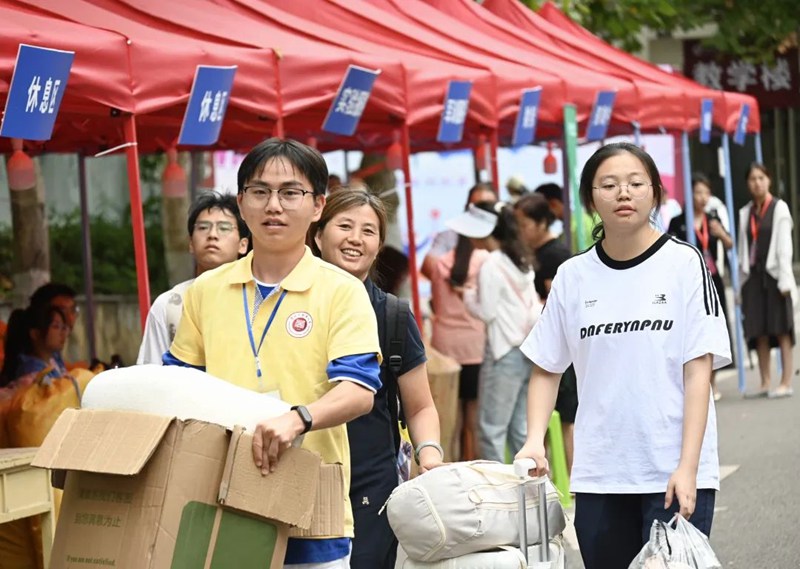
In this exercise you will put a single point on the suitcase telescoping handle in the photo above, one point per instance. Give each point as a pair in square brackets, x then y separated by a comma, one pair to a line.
[521, 468]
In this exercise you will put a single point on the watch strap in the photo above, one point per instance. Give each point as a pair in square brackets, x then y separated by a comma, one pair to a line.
[305, 416]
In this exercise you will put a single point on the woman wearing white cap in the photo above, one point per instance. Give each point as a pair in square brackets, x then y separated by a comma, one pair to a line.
[506, 300]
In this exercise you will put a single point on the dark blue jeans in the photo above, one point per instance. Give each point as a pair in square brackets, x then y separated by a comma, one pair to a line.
[613, 528]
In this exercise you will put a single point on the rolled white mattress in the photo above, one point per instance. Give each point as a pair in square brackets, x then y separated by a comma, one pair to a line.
[181, 392]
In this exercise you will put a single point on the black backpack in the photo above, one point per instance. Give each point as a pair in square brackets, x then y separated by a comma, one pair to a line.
[395, 325]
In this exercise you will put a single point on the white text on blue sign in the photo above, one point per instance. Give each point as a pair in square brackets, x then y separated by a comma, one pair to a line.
[456, 111]
[352, 102]
[212, 106]
[602, 115]
[48, 101]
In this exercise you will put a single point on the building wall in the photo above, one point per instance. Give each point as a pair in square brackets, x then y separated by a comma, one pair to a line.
[780, 132]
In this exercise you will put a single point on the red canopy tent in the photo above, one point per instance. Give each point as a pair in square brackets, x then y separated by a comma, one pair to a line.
[581, 84]
[98, 82]
[659, 106]
[308, 74]
[367, 27]
[259, 99]
[550, 24]
[424, 84]
[425, 77]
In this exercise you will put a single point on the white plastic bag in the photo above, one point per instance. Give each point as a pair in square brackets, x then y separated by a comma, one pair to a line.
[680, 547]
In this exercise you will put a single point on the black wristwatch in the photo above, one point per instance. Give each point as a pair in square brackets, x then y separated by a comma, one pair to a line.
[305, 416]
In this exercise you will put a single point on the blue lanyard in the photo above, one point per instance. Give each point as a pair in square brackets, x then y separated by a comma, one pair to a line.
[266, 328]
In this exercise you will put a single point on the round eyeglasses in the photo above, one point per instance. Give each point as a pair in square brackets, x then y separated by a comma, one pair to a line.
[223, 227]
[609, 192]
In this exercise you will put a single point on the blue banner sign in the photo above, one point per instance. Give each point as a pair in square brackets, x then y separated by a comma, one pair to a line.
[525, 127]
[454, 114]
[741, 125]
[706, 120]
[37, 88]
[350, 101]
[208, 102]
[601, 115]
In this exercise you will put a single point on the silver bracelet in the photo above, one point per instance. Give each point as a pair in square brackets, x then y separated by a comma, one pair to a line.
[421, 446]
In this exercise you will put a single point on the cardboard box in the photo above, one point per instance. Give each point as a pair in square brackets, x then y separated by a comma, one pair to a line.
[151, 492]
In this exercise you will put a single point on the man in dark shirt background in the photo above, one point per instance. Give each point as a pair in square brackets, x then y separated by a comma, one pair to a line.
[534, 218]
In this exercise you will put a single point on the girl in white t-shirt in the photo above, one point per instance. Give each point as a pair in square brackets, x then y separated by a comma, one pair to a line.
[639, 317]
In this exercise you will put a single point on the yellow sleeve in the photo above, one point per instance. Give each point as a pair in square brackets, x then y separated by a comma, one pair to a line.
[188, 344]
[353, 329]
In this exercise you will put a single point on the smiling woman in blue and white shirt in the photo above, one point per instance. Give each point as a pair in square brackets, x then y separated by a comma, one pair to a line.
[640, 318]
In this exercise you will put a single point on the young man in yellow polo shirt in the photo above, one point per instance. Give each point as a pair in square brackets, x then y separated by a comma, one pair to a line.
[281, 320]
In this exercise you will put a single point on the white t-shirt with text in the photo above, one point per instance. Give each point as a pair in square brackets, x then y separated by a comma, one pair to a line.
[629, 327]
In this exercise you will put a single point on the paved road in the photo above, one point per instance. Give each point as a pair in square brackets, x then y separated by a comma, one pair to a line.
[757, 520]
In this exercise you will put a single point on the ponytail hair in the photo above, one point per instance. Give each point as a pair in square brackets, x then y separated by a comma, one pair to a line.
[18, 341]
[507, 234]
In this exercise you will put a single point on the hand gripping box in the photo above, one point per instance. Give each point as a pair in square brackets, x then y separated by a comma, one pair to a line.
[150, 492]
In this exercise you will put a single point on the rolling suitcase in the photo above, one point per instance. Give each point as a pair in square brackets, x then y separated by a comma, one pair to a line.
[538, 556]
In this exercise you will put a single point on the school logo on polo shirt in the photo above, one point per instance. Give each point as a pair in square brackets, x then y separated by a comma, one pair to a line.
[299, 324]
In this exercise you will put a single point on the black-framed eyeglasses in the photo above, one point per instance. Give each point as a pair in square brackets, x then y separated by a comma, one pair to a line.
[289, 198]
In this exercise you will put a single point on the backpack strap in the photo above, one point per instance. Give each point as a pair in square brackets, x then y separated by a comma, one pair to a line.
[393, 347]
[396, 328]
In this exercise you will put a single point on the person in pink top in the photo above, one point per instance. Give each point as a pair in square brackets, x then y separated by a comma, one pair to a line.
[456, 333]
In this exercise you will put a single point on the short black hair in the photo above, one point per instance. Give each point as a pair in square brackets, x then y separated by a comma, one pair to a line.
[308, 161]
[551, 191]
[534, 206]
[44, 295]
[700, 178]
[479, 187]
[215, 200]
[757, 166]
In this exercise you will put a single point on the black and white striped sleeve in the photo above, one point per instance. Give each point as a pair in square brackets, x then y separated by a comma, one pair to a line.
[706, 330]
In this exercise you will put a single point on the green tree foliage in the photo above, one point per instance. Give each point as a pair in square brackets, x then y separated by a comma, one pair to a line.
[114, 264]
[112, 251]
[752, 29]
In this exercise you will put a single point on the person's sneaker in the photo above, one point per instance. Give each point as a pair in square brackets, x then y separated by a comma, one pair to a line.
[781, 392]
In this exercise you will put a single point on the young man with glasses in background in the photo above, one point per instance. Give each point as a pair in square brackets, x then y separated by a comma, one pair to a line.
[283, 321]
[217, 235]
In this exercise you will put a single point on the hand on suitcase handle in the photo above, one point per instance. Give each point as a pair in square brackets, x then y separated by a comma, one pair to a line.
[522, 466]
[535, 453]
